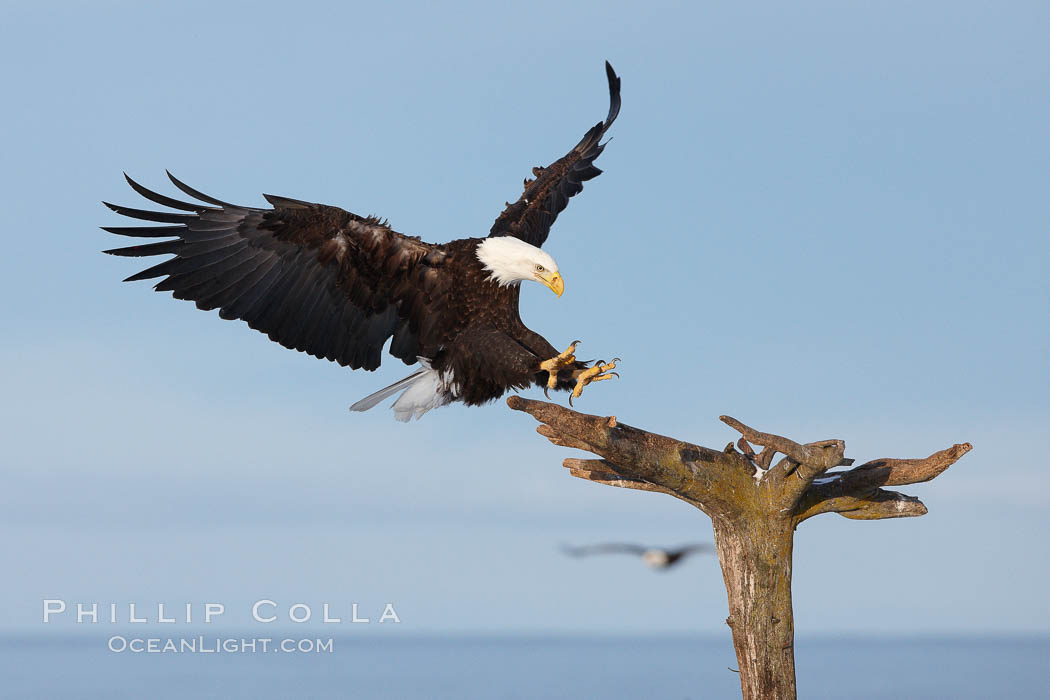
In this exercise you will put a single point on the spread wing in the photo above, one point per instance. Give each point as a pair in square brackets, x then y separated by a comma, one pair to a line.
[531, 217]
[312, 277]
[690, 549]
[608, 548]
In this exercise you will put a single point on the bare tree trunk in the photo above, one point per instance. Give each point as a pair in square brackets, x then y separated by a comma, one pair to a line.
[755, 507]
[756, 565]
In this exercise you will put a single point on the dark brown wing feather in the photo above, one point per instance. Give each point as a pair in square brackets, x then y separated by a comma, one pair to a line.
[312, 277]
[531, 217]
[674, 556]
[691, 549]
[606, 548]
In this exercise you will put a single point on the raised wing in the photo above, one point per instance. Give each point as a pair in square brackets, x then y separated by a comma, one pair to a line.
[312, 277]
[608, 548]
[531, 217]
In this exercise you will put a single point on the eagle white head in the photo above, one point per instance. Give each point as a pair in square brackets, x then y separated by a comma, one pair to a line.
[510, 261]
[656, 558]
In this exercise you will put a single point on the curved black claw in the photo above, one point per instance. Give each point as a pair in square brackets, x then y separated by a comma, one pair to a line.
[546, 391]
[570, 400]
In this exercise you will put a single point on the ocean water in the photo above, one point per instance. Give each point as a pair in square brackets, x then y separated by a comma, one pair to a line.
[524, 667]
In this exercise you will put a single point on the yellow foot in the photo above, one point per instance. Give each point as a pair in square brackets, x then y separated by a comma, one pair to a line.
[556, 364]
[600, 371]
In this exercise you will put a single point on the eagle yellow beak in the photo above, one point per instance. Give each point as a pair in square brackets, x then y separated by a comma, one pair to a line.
[553, 281]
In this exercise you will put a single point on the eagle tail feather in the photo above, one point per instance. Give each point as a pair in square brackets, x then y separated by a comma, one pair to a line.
[423, 390]
[372, 400]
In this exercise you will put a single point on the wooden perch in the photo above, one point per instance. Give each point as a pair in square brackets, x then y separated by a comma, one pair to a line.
[754, 508]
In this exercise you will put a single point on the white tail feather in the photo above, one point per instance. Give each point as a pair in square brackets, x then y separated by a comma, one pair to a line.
[422, 391]
[372, 400]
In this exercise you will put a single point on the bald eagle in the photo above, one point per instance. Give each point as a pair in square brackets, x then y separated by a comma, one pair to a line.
[338, 286]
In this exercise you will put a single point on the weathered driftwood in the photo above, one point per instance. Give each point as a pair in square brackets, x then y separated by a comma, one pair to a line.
[754, 507]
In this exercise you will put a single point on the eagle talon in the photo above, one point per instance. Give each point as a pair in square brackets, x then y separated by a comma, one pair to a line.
[561, 361]
[600, 371]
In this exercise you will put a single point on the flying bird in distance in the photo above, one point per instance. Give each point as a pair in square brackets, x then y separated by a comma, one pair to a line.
[653, 557]
[338, 286]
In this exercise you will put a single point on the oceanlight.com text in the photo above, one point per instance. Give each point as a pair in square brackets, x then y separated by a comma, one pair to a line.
[218, 645]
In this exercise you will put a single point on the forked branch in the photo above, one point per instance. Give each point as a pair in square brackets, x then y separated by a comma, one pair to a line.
[719, 482]
[636, 458]
[856, 493]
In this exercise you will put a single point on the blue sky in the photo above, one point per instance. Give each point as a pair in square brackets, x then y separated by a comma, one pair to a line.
[827, 220]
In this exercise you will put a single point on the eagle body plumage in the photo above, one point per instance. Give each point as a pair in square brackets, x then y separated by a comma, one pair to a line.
[325, 281]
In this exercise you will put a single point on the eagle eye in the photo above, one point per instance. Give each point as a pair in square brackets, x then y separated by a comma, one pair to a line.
[539, 268]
